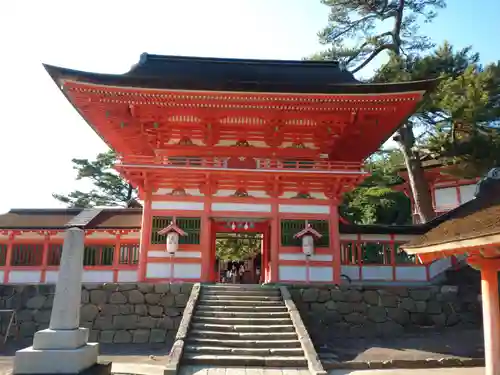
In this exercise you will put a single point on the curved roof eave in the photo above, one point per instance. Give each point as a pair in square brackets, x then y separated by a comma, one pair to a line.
[237, 75]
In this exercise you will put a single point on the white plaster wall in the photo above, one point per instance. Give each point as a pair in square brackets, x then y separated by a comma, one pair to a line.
[446, 198]
[179, 254]
[292, 273]
[157, 270]
[90, 276]
[411, 273]
[302, 256]
[467, 193]
[351, 272]
[127, 276]
[177, 205]
[439, 266]
[21, 277]
[241, 207]
[2, 273]
[304, 209]
[51, 277]
[187, 271]
[318, 274]
[380, 273]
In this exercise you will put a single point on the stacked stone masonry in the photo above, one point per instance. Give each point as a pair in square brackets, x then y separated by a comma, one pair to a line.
[389, 312]
[114, 313]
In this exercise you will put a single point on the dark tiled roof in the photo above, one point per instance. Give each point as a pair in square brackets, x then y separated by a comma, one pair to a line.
[58, 218]
[477, 218]
[222, 74]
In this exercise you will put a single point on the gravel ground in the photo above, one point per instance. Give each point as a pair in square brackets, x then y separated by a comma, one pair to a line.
[415, 346]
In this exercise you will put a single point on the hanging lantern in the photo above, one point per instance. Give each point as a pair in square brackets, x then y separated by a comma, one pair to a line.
[245, 226]
[308, 234]
[172, 232]
[233, 226]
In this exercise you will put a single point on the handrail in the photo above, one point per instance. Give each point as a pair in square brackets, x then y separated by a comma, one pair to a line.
[222, 163]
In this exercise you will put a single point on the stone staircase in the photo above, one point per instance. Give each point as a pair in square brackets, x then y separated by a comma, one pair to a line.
[242, 325]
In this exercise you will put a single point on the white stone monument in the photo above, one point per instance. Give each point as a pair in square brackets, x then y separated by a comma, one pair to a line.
[63, 347]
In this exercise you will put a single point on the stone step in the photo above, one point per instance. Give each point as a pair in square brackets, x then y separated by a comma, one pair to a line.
[242, 314]
[242, 308]
[246, 343]
[238, 297]
[243, 328]
[242, 320]
[259, 292]
[239, 360]
[224, 350]
[232, 335]
[223, 302]
[238, 286]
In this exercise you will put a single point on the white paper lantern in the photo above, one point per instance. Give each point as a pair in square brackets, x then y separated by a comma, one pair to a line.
[172, 242]
[308, 244]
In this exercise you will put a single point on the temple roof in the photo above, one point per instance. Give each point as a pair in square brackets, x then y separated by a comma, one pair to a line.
[130, 218]
[108, 218]
[479, 217]
[223, 74]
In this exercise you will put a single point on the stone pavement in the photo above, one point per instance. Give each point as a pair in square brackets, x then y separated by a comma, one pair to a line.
[201, 370]
[433, 371]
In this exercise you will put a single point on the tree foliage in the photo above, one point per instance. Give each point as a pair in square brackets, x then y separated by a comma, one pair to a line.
[238, 248]
[469, 137]
[375, 26]
[109, 189]
[376, 201]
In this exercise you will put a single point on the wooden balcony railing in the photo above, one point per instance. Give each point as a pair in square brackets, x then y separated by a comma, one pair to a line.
[224, 163]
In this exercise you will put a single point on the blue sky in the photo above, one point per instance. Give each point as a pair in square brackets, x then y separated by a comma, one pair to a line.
[41, 132]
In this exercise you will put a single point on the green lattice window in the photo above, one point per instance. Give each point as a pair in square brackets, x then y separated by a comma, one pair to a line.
[98, 255]
[27, 255]
[3, 254]
[191, 225]
[290, 227]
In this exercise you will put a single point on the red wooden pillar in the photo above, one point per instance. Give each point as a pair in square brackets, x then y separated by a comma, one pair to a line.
[274, 250]
[392, 256]
[335, 242]
[491, 319]
[8, 258]
[145, 236]
[207, 251]
[264, 269]
[491, 311]
[116, 258]
[45, 257]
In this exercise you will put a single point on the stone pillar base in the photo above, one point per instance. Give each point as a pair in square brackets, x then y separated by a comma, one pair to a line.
[56, 361]
[51, 339]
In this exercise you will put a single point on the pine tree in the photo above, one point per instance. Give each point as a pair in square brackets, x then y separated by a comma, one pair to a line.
[360, 22]
[110, 189]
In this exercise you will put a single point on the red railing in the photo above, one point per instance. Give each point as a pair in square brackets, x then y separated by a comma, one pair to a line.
[223, 163]
[20, 262]
[384, 261]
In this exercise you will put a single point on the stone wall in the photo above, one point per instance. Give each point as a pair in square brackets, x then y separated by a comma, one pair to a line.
[114, 313]
[389, 312]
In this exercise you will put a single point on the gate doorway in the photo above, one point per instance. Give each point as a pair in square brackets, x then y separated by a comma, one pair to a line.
[240, 250]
